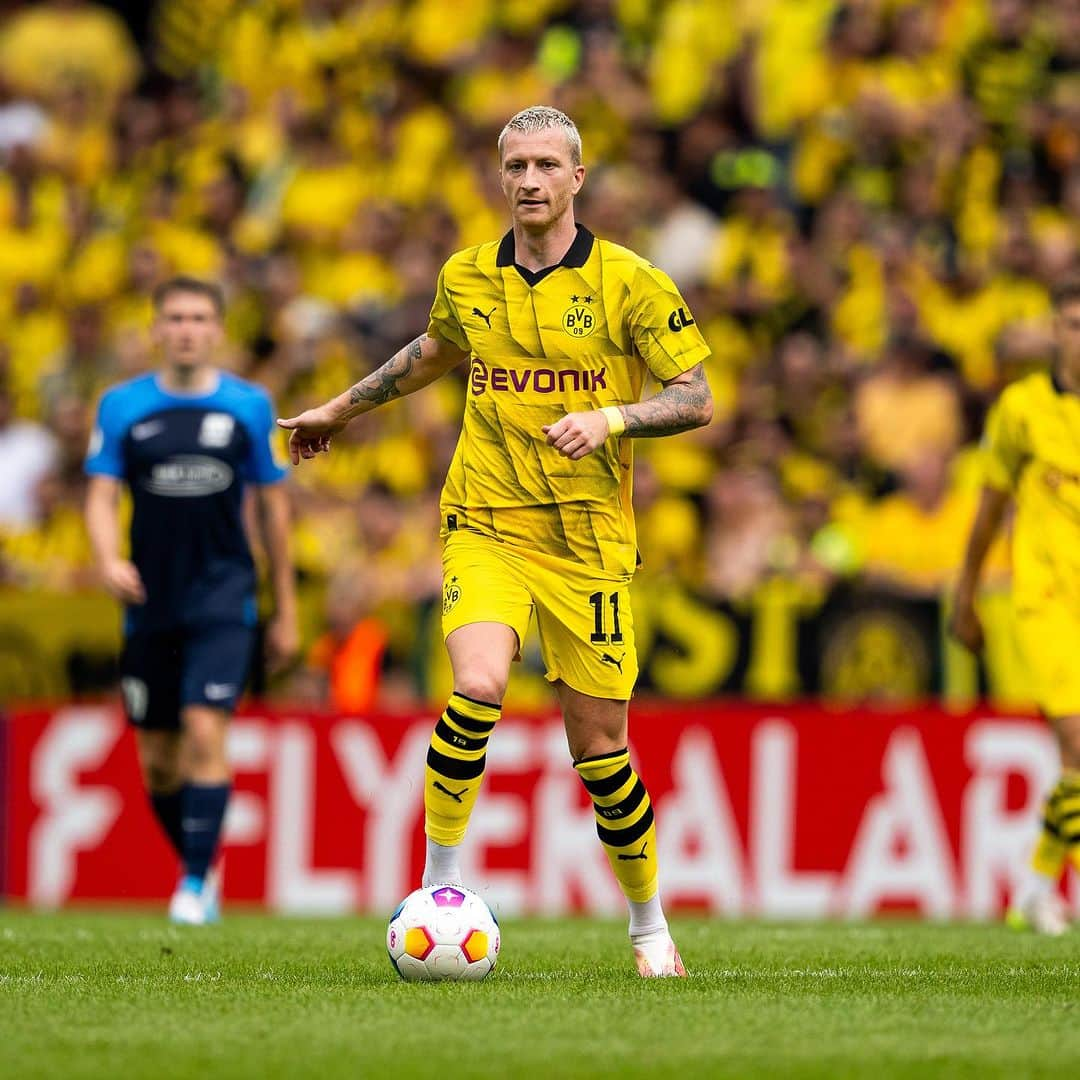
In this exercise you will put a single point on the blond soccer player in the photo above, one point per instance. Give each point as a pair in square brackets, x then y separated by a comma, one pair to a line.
[561, 330]
[1032, 452]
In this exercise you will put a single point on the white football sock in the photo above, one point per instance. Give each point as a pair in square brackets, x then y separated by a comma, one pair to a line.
[647, 922]
[441, 866]
[1033, 886]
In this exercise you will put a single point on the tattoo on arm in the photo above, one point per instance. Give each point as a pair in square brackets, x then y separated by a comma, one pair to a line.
[382, 385]
[678, 407]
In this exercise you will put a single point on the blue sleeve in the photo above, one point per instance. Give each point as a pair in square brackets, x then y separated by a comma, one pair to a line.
[266, 462]
[104, 456]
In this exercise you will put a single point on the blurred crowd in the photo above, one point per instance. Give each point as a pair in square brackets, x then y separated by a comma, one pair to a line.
[864, 202]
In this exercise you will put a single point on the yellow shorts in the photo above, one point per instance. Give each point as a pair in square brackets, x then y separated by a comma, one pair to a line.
[1049, 636]
[582, 614]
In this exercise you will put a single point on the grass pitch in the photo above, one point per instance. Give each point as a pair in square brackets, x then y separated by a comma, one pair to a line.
[126, 995]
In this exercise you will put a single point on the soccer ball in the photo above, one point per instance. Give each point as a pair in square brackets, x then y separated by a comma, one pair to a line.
[442, 932]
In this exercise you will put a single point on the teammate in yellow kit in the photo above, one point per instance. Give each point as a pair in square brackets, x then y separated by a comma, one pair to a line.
[1032, 450]
[562, 330]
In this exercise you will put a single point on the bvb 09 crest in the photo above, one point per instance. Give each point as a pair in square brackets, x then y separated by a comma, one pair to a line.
[578, 320]
[451, 595]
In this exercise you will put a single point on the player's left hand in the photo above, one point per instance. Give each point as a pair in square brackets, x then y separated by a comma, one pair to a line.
[577, 433]
[282, 643]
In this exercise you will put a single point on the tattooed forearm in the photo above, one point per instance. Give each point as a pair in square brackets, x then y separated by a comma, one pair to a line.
[680, 406]
[382, 385]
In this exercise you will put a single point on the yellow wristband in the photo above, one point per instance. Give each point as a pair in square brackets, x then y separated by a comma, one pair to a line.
[615, 419]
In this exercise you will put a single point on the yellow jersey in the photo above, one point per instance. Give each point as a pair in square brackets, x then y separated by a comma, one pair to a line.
[580, 335]
[1032, 448]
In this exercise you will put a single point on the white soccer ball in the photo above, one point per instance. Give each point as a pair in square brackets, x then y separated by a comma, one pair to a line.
[443, 932]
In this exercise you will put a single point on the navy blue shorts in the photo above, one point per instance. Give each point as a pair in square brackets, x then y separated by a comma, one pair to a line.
[161, 672]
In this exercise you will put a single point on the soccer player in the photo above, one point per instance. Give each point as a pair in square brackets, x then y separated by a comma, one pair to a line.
[188, 441]
[1032, 450]
[562, 329]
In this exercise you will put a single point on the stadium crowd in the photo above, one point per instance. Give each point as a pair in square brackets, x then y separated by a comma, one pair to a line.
[864, 203]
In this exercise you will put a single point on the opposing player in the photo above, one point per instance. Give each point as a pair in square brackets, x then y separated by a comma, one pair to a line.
[1032, 450]
[188, 441]
[562, 330]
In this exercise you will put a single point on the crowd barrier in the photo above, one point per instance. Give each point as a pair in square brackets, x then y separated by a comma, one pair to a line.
[788, 640]
[793, 811]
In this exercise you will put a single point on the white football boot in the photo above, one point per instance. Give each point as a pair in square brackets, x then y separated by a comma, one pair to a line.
[187, 908]
[657, 958]
[211, 894]
[1043, 912]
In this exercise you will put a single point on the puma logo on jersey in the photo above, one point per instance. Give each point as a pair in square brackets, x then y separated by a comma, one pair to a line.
[455, 795]
[486, 318]
[640, 855]
[607, 658]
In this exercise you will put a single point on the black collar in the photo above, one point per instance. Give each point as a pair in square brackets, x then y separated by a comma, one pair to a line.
[577, 255]
[1057, 384]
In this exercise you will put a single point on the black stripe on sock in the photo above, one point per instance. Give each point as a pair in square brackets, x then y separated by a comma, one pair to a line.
[478, 727]
[476, 701]
[626, 807]
[463, 742]
[606, 785]
[624, 837]
[1051, 828]
[454, 768]
[1065, 818]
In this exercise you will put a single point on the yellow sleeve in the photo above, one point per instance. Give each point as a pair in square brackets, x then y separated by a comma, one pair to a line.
[444, 322]
[1004, 444]
[663, 331]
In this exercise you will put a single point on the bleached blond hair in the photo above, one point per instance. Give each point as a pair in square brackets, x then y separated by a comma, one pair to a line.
[544, 118]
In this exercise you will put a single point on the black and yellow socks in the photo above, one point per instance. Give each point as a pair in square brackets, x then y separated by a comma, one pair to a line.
[624, 821]
[1053, 846]
[455, 767]
[1060, 834]
[624, 814]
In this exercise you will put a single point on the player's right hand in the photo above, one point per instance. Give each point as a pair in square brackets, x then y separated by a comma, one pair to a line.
[122, 580]
[310, 432]
[965, 626]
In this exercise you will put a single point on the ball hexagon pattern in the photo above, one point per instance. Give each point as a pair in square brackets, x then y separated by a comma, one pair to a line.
[443, 932]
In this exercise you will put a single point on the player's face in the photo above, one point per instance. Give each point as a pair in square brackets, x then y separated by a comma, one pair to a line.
[539, 178]
[188, 329]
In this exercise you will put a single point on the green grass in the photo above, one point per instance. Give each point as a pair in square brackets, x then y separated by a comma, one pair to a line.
[118, 995]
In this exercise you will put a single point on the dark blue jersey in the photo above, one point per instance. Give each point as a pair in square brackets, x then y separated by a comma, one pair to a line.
[186, 459]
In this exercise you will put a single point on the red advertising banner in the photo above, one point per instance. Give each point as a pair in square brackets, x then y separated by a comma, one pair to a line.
[789, 811]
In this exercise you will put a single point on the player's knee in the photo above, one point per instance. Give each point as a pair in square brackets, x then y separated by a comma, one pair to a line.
[160, 776]
[204, 752]
[592, 744]
[480, 685]
[159, 761]
[204, 743]
[595, 727]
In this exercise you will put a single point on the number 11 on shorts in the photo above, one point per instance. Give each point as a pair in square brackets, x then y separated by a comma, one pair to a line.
[598, 636]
